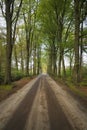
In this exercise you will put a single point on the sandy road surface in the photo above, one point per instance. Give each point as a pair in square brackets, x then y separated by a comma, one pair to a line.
[42, 105]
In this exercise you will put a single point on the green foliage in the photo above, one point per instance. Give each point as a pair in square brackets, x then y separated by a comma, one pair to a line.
[71, 84]
[68, 72]
[16, 75]
[45, 22]
[84, 83]
[76, 90]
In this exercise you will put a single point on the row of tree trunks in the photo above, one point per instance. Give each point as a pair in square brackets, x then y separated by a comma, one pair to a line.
[27, 21]
[78, 42]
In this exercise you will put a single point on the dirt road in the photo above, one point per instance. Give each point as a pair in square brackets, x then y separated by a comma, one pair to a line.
[42, 105]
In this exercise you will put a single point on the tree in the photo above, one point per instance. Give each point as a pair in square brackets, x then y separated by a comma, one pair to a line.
[83, 14]
[76, 42]
[29, 21]
[11, 18]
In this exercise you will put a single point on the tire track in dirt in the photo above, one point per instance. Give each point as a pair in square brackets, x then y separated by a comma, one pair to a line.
[19, 117]
[69, 105]
[41, 109]
[38, 118]
[58, 120]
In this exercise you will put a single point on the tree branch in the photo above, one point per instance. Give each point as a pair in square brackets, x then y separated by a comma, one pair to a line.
[17, 14]
[67, 31]
[1, 6]
[16, 19]
[12, 7]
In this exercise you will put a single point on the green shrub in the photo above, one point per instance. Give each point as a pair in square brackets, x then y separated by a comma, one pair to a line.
[1, 78]
[84, 83]
[16, 75]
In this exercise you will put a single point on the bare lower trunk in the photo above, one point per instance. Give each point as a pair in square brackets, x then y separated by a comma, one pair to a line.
[54, 59]
[81, 50]
[59, 66]
[64, 69]
[0, 61]
[16, 58]
[22, 60]
[34, 64]
[8, 65]
[27, 59]
[76, 45]
[49, 68]
[71, 59]
[39, 60]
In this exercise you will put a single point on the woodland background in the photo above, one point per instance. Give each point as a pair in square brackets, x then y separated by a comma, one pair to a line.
[43, 36]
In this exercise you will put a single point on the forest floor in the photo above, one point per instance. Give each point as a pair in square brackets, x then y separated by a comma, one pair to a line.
[83, 89]
[7, 90]
[42, 104]
[79, 93]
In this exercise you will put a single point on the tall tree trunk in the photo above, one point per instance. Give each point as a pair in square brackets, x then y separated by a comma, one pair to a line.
[10, 28]
[76, 45]
[16, 58]
[81, 53]
[22, 60]
[38, 59]
[28, 34]
[59, 65]
[81, 48]
[60, 45]
[27, 21]
[9, 45]
[0, 58]
[27, 58]
[8, 61]
[63, 64]
[34, 60]
[54, 56]
[71, 59]
[49, 67]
